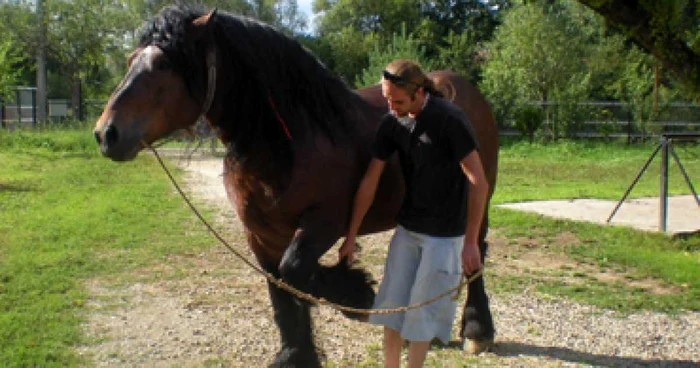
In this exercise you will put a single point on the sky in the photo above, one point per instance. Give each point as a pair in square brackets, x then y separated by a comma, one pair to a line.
[305, 6]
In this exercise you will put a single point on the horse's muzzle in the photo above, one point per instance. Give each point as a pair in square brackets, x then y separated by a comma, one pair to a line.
[113, 145]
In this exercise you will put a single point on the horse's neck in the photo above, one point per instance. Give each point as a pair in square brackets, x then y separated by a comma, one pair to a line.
[262, 160]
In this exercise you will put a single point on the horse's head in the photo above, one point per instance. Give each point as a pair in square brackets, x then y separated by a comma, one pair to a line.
[155, 97]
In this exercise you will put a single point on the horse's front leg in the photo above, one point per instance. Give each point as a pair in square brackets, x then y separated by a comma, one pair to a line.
[292, 316]
[293, 320]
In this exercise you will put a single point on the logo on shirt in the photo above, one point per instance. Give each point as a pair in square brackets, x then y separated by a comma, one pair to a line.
[424, 138]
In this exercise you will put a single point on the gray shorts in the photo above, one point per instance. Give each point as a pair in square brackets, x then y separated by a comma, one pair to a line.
[418, 268]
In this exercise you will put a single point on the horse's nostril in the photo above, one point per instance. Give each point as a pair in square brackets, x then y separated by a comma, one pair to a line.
[111, 135]
[98, 138]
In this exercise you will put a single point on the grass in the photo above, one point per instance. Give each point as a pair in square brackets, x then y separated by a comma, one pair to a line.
[581, 169]
[68, 215]
[671, 262]
[584, 169]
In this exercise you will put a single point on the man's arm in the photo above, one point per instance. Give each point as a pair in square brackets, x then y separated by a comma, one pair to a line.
[363, 200]
[478, 195]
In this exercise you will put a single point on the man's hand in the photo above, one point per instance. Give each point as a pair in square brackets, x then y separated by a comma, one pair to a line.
[347, 250]
[471, 258]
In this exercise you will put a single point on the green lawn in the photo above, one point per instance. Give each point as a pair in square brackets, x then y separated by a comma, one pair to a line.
[68, 215]
[588, 170]
[597, 170]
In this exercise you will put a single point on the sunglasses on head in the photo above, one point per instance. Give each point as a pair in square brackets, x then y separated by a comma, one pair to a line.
[393, 78]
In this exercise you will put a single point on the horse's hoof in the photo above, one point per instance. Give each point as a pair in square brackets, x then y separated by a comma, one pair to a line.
[476, 347]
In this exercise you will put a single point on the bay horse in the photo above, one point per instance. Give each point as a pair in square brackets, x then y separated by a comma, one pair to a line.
[297, 141]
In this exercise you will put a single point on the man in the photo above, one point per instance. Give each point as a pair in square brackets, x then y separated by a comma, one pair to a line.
[438, 225]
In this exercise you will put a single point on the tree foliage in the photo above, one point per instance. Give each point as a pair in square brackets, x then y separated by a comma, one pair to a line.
[556, 55]
[402, 46]
[77, 35]
[543, 52]
[667, 29]
[86, 41]
[441, 27]
[536, 57]
[11, 64]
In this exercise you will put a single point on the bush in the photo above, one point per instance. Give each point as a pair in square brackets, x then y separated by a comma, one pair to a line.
[528, 120]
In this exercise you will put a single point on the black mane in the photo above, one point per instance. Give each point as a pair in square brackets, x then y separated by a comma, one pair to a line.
[261, 67]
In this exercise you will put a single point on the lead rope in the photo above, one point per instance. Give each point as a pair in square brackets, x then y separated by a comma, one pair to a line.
[291, 289]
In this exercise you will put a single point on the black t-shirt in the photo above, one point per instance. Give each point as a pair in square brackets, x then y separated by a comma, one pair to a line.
[430, 152]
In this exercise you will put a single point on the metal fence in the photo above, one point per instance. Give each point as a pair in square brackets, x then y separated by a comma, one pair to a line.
[612, 119]
[596, 120]
[21, 110]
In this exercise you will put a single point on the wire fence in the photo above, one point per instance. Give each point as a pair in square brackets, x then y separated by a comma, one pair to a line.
[605, 120]
[594, 120]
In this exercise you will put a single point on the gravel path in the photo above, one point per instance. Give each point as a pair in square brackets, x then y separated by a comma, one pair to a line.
[216, 312]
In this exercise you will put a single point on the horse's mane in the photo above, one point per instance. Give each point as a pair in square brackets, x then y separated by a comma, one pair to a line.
[262, 67]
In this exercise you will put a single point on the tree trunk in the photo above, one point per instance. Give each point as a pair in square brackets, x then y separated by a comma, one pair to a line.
[41, 87]
[76, 97]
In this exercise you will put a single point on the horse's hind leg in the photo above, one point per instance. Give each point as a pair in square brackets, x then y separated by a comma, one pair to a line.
[477, 324]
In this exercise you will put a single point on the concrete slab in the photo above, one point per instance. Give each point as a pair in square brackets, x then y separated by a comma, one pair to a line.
[642, 213]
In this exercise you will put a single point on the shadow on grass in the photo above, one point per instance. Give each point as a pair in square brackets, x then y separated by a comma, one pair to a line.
[14, 188]
[509, 349]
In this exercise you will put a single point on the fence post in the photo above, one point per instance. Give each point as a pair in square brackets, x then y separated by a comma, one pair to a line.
[19, 107]
[629, 128]
[663, 178]
[34, 107]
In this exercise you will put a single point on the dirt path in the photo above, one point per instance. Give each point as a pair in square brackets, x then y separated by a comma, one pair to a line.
[210, 309]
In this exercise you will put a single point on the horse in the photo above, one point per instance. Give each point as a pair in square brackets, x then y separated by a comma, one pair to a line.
[297, 144]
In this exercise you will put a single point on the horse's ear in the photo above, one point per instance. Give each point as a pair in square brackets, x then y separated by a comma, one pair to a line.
[202, 24]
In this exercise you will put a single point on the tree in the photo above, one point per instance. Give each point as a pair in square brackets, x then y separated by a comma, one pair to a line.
[349, 50]
[381, 17]
[289, 17]
[78, 35]
[79, 32]
[402, 46]
[441, 27]
[354, 28]
[10, 65]
[283, 14]
[537, 56]
[667, 29]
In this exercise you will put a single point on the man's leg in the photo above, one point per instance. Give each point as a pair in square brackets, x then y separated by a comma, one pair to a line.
[392, 348]
[417, 350]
